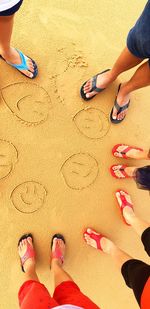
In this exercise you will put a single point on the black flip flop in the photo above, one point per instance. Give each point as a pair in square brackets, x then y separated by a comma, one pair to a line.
[25, 236]
[58, 236]
[119, 110]
[94, 88]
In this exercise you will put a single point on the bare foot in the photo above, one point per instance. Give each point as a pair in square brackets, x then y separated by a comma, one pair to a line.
[29, 264]
[103, 81]
[122, 99]
[13, 57]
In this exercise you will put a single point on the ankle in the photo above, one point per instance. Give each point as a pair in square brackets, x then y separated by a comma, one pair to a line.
[130, 171]
[56, 263]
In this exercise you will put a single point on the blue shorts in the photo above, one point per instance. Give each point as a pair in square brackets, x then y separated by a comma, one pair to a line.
[12, 10]
[138, 40]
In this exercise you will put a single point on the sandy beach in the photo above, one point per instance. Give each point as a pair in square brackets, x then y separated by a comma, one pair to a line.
[55, 149]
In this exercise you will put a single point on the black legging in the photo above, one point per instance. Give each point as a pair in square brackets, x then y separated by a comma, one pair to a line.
[136, 272]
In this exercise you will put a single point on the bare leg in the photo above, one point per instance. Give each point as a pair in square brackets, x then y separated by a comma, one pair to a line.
[138, 224]
[8, 53]
[140, 79]
[56, 264]
[125, 62]
[29, 265]
[108, 247]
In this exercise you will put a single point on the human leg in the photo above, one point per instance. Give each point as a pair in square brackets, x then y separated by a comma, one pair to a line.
[135, 272]
[140, 79]
[9, 53]
[66, 290]
[32, 293]
[125, 61]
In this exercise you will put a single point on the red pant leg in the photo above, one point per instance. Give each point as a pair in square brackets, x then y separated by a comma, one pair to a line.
[69, 293]
[33, 295]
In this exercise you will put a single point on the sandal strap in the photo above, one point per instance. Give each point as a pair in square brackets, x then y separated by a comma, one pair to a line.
[94, 88]
[125, 202]
[23, 64]
[28, 254]
[97, 238]
[121, 108]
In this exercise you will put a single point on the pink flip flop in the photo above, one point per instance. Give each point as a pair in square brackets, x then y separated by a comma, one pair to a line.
[30, 253]
[58, 253]
[121, 168]
[123, 153]
[124, 203]
[94, 235]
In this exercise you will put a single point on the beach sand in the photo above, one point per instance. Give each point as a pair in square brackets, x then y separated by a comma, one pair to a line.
[56, 149]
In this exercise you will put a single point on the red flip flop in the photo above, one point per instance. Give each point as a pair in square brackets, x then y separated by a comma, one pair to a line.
[121, 168]
[124, 203]
[30, 253]
[96, 236]
[57, 254]
[123, 154]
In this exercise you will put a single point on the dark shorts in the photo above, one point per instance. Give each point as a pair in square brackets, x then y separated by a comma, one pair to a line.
[138, 40]
[12, 10]
[135, 272]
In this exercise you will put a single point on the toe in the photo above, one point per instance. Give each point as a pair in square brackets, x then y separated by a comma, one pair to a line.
[90, 94]
[114, 115]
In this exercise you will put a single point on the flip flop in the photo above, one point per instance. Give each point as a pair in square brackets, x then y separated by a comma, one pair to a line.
[94, 88]
[58, 254]
[124, 203]
[119, 110]
[23, 65]
[96, 236]
[30, 253]
[121, 168]
[123, 154]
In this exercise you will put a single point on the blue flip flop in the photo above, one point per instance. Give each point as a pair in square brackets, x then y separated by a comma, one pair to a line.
[119, 110]
[23, 65]
[94, 88]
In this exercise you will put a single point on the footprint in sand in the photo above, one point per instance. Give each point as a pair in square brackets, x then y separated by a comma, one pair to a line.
[28, 197]
[80, 171]
[29, 102]
[92, 123]
[8, 158]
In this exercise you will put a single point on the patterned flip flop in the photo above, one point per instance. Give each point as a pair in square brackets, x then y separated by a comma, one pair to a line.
[123, 154]
[94, 88]
[124, 203]
[121, 168]
[30, 253]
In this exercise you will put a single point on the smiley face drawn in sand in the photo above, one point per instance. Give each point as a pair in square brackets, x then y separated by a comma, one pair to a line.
[29, 102]
[80, 171]
[92, 123]
[8, 158]
[28, 197]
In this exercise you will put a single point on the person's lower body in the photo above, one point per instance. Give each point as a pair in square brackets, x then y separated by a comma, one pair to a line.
[33, 294]
[11, 55]
[135, 272]
[141, 78]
